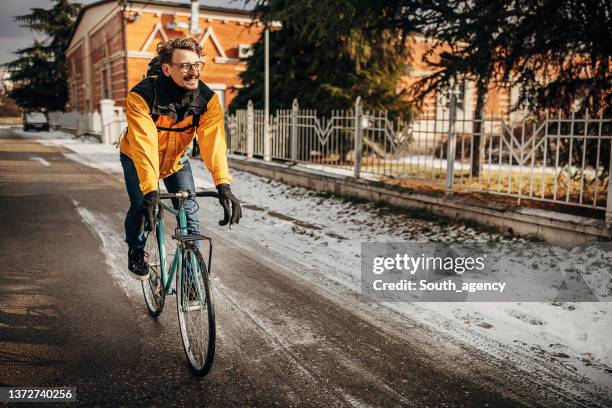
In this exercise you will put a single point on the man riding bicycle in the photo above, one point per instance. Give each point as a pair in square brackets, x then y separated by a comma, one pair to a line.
[165, 112]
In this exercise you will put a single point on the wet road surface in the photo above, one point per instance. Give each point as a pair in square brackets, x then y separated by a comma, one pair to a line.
[69, 318]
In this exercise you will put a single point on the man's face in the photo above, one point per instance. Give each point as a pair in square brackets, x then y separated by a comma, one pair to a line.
[182, 74]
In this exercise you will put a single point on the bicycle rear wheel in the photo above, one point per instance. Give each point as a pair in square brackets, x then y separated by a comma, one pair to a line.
[152, 288]
[196, 311]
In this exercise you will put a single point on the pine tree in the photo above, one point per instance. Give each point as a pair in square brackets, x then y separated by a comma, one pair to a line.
[40, 71]
[325, 71]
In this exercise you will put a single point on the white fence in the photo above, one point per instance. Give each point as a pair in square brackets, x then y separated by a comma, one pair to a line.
[551, 158]
[106, 124]
[77, 122]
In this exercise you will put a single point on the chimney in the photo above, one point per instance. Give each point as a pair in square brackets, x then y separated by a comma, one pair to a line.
[195, 18]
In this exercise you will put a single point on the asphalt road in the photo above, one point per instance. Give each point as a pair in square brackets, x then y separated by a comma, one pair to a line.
[65, 319]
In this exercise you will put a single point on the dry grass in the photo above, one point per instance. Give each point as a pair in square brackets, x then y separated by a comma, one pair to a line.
[548, 186]
[502, 185]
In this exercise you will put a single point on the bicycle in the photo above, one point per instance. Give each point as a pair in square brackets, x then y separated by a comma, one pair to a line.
[192, 287]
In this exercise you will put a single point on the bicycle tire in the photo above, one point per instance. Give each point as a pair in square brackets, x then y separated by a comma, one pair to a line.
[194, 326]
[152, 288]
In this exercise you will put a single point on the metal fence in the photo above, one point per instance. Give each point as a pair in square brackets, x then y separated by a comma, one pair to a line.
[546, 158]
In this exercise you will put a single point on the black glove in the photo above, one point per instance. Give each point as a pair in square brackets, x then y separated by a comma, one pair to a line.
[225, 198]
[148, 210]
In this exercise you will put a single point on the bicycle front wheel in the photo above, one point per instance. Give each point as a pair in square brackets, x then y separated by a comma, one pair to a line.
[152, 288]
[196, 313]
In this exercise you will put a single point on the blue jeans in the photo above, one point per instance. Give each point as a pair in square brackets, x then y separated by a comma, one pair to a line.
[182, 180]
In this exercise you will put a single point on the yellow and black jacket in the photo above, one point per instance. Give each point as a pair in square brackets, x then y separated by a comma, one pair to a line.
[163, 120]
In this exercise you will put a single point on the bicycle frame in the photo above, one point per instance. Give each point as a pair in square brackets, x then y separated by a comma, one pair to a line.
[167, 276]
[188, 277]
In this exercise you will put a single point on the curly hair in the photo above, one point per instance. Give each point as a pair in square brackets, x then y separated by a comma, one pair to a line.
[166, 48]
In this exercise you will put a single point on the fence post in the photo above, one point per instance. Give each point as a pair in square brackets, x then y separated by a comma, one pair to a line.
[451, 143]
[357, 169]
[96, 123]
[81, 126]
[52, 119]
[250, 130]
[107, 113]
[121, 124]
[294, 132]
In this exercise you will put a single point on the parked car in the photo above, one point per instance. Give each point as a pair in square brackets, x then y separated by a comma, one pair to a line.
[35, 121]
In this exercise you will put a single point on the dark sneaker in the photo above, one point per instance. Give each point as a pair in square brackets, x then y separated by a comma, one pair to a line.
[137, 264]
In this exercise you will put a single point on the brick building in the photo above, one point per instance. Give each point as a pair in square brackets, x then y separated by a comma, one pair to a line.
[110, 47]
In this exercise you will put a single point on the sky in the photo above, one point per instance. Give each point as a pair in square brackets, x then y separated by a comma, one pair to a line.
[14, 37]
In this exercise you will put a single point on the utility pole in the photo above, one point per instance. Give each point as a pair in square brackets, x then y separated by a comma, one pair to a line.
[267, 141]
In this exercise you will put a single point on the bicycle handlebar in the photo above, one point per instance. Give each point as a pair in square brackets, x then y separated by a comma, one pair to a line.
[188, 194]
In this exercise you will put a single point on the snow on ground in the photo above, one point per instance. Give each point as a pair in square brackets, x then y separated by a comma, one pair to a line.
[328, 232]
[323, 234]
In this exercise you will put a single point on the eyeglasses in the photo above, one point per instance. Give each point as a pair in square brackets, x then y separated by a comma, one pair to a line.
[186, 67]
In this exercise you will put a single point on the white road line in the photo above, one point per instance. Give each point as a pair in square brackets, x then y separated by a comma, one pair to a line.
[40, 160]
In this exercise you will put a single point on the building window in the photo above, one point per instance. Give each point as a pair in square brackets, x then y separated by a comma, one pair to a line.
[461, 96]
[74, 96]
[443, 99]
[107, 90]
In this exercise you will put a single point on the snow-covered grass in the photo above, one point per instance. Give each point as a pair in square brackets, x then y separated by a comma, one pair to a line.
[323, 234]
[328, 233]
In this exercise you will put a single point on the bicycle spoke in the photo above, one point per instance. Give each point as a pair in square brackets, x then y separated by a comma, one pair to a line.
[152, 287]
[194, 312]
